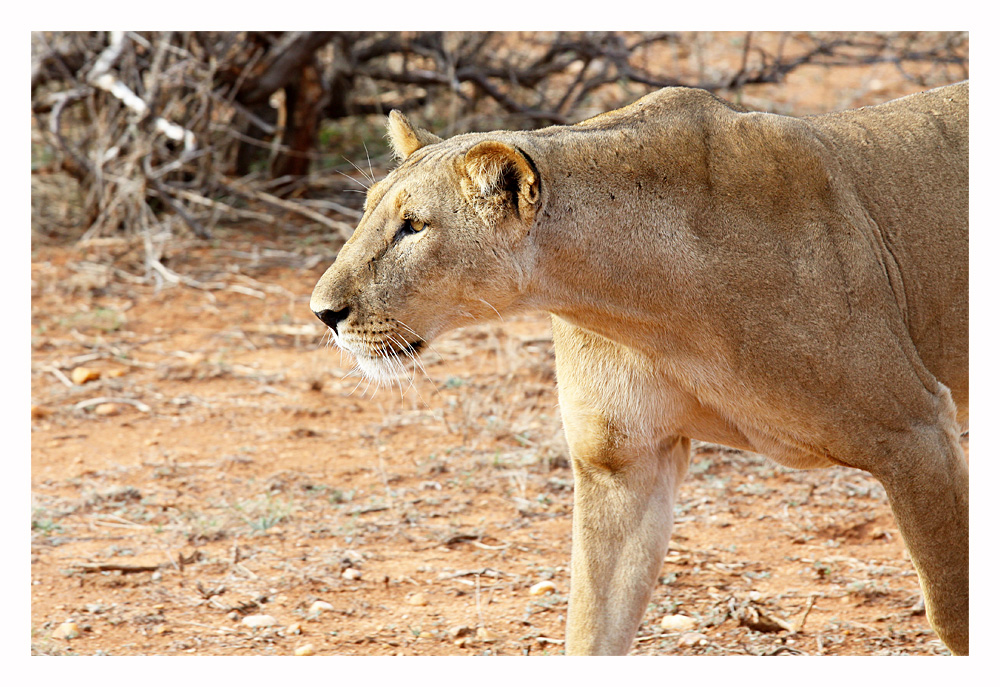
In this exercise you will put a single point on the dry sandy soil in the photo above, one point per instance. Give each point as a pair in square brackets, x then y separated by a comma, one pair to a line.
[237, 467]
[223, 462]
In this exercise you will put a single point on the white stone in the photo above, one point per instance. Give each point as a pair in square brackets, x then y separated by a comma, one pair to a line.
[485, 635]
[418, 599]
[543, 587]
[255, 621]
[320, 606]
[66, 631]
[692, 639]
[678, 623]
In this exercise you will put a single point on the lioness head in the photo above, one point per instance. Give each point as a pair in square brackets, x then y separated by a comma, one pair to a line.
[442, 243]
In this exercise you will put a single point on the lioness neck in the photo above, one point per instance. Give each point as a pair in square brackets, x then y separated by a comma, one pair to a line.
[619, 193]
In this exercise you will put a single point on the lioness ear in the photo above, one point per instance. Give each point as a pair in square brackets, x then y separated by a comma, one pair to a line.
[500, 181]
[404, 137]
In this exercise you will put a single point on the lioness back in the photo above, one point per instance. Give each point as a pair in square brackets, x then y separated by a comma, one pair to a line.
[909, 166]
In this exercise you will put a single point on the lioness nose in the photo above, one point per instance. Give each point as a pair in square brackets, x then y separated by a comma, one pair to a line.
[331, 318]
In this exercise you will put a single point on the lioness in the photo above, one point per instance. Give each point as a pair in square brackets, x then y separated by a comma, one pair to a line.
[796, 287]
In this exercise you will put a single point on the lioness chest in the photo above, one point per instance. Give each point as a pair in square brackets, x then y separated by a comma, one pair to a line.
[646, 400]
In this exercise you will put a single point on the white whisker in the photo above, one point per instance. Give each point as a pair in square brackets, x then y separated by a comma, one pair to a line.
[394, 361]
[363, 377]
[363, 173]
[494, 309]
[416, 359]
[354, 180]
[396, 338]
[371, 172]
[417, 364]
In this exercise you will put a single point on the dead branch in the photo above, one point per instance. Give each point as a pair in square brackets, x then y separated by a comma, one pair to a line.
[123, 568]
[298, 208]
[285, 56]
[139, 405]
[168, 130]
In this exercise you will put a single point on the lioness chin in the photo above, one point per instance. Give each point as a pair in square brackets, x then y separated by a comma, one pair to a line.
[796, 287]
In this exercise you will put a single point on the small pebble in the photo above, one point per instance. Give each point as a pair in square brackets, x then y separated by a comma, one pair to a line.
[82, 375]
[543, 587]
[459, 631]
[305, 650]
[485, 635]
[678, 623]
[351, 574]
[66, 631]
[320, 606]
[106, 409]
[548, 640]
[256, 621]
[692, 639]
[417, 599]
[294, 629]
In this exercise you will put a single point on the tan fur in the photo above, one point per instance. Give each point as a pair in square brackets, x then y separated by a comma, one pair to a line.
[405, 138]
[796, 287]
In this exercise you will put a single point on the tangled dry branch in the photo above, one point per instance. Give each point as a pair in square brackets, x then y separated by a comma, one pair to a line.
[163, 130]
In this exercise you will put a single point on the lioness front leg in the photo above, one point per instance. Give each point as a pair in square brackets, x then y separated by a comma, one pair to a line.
[928, 490]
[622, 517]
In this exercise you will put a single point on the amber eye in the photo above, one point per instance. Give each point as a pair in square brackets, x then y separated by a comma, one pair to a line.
[410, 226]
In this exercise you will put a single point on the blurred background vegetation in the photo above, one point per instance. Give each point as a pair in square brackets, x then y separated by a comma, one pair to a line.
[153, 134]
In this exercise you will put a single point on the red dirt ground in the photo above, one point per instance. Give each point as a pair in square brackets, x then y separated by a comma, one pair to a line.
[259, 471]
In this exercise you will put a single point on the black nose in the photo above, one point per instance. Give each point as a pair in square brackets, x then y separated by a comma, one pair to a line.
[331, 318]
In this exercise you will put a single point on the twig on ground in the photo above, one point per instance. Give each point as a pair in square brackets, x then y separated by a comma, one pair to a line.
[58, 374]
[124, 568]
[139, 405]
[368, 509]
[805, 614]
[488, 572]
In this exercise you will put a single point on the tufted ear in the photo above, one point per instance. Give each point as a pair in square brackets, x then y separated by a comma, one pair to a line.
[404, 137]
[501, 181]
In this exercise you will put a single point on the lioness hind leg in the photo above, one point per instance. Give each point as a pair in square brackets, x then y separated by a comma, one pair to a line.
[928, 489]
[622, 517]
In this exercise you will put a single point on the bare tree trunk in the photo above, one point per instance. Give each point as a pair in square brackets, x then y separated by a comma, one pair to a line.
[305, 96]
[283, 62]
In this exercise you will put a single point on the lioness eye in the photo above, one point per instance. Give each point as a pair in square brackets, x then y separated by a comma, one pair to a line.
[410, 226]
